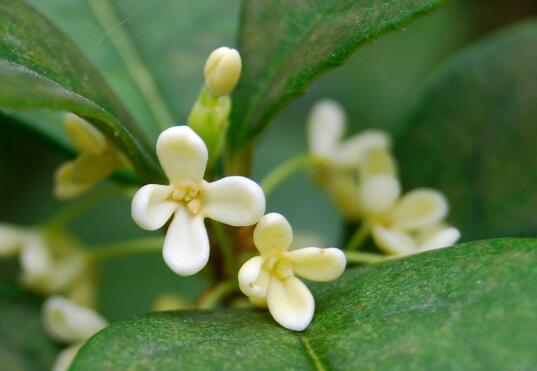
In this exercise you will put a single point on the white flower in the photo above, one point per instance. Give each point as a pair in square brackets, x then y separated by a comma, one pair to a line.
[337, 160]
[234, 200]
[69, 323]
[405, 225]
[222, 71]
[50, 262]
[98, 159]
[270, 279]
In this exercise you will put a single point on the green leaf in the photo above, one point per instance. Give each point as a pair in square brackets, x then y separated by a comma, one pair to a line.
[41, 69]
[469, 307]
[286, 44]
[472, 135]
[23, 345]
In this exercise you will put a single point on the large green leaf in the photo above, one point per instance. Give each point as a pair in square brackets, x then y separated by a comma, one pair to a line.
[286, 44]
[41, 69]
[469, 307]
[472, 134]
[23, 345]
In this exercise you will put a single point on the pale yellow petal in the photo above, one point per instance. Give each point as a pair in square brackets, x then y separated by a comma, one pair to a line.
[420, 208]
[290, 303]
[186, 246]
[394, 242]
[151, 207]
[84, 136]
[317, 264]
[66, 356]
[233, 200]
[377, 160]
[438, 238]
[182, 154]
[326, 125]
[253, 279]
[273, 233]
[378, 194]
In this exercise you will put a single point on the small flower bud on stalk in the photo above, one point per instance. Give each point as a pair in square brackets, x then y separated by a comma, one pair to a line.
[209, 117]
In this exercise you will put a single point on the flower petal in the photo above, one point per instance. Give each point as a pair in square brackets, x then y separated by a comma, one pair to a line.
[182, 154]
[11, 239]
[84, 136]
[186, 246]
[64, 186]
[420, 208]
[379, 193]
[273, 233]
[317, 264]
[393, 242]
[351, 152]
[234, 200]
[377, 160]
[290, 302]
[35, 261]
[65, 357]
[442, 237]
[326, 125]
[68, 322]
[253, 279]
[150, 207]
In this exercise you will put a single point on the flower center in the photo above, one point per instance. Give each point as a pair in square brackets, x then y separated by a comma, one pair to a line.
[280, 267]
[188, 194]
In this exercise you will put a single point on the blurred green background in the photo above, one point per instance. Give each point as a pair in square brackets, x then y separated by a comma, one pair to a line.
[377, 87]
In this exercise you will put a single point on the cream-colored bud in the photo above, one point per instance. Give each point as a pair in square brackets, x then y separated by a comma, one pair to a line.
[222, 71]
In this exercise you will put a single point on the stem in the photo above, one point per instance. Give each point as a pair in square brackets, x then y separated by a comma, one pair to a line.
[106, 15]
[74, 208]
[284, 170]
[358, 239]
[212, 297]
[226, 247]
[355, 257]
[126, 248]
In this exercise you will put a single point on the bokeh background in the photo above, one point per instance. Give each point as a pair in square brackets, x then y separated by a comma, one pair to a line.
[377, 87]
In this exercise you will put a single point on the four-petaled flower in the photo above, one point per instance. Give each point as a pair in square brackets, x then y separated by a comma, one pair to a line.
[270, 279]
[234, 200]
[337, 160]
[401, 225]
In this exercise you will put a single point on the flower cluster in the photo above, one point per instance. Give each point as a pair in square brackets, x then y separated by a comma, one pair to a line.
[360, 174]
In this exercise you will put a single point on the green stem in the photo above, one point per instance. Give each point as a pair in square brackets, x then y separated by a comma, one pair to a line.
[226, 247]
[358, 239]
[355, 257]
[126, 248]
[106, 15]
[74, 208]
[211, 298]
[284, 170]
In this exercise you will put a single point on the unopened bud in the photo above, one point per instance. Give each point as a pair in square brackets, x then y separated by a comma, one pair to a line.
[222, 71]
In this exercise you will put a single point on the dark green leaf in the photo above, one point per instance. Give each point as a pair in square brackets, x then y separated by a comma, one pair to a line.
[469, 307]
[287, 44]
[41, 69]
[23, 345]
[472, 135]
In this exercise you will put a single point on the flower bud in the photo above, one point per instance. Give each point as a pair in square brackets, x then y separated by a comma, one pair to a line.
[222, 71]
